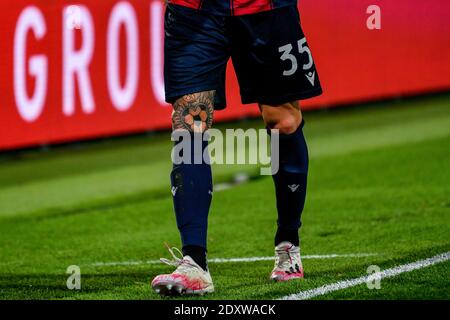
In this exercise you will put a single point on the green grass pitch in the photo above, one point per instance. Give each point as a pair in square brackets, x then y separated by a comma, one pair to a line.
[379, 184]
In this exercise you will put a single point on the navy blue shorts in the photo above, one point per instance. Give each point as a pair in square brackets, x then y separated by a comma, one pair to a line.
[271, 57]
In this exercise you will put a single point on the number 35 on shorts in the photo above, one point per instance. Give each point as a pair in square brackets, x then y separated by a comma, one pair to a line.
[287, 54]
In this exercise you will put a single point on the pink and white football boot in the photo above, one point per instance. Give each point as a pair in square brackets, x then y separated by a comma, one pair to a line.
[288, 264]
[188, 278]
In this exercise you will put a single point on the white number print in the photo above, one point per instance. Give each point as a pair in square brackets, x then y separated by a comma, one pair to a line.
[302, 47]
[287, 55]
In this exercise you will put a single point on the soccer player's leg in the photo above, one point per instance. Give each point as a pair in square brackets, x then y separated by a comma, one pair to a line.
[290, 186]
[191, 178]
[191, 182]
[195, 59]
[275, 69]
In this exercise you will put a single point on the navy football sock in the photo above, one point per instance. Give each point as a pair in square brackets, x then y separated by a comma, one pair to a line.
[192, 193]
[290, 185]
[198, 254]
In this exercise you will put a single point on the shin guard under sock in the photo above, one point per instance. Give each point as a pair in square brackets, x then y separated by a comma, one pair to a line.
[290, 185]
[192, 192]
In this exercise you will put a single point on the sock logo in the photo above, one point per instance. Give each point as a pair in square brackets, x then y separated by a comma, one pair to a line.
[293, 187]
[174, 191]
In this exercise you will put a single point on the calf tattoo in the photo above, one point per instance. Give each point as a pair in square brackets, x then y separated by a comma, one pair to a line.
[194, 112]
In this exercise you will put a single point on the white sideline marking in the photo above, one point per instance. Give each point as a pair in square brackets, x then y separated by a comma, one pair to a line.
[226, 260]
[388, 273]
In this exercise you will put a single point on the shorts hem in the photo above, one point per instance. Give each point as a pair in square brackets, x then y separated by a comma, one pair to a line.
[174, 95]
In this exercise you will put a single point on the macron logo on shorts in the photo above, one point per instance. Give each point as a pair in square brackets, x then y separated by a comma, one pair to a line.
[311, 77]
[293, 187]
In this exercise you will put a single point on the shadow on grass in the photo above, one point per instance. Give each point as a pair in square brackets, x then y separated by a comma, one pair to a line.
[53, 286]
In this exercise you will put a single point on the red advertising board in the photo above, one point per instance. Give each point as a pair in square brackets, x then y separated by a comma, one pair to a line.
[72, 70]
